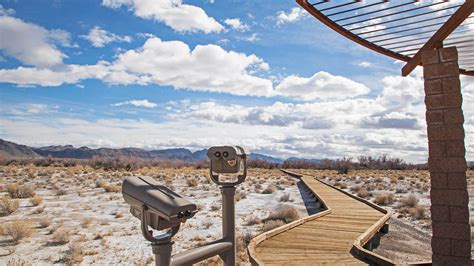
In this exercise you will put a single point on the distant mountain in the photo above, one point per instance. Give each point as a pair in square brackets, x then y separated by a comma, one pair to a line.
[258, 156]
[70, 152]
[304, 159]
[11, 149]
[88, 153]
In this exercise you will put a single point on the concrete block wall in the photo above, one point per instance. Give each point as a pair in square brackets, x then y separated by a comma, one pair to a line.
[451, 241]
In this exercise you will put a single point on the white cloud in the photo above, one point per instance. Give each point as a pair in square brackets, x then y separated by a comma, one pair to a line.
[169, 63]
[236, 24]
[62, 38]
[6, 11]
[29, 43]
[391, 123]
[137, 103]
[294, 15]
[100, 37]
[365, 64]
[180, 17]
[252, 38]
[321, 85]
[69, 74]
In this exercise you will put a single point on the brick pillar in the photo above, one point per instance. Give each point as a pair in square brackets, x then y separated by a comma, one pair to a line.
[451, 242]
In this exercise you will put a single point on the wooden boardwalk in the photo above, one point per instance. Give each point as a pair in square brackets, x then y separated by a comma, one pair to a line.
[326, 238]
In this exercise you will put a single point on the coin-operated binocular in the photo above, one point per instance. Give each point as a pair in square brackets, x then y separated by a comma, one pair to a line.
[159, 208]
[228, 160]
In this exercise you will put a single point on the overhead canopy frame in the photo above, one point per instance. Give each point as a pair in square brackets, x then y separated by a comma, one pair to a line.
[402, 29]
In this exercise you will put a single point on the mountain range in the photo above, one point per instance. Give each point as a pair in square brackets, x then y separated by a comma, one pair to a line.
[11, 149]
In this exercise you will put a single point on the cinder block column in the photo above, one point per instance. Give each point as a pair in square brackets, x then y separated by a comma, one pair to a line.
[451, 242]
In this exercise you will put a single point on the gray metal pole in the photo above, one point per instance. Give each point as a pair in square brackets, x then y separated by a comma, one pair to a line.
[162, 253]
[228, 223]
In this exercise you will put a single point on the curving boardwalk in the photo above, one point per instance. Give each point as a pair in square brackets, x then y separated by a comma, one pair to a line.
[329, 237]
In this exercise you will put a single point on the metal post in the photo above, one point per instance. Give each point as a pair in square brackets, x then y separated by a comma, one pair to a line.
[228, 223]
[162, 253]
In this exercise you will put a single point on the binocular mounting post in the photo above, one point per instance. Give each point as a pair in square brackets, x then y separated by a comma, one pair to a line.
[161, 245]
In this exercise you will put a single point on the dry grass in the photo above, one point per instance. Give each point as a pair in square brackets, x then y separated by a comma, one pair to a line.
[240, 195]
[112, 188]
[8, 205]
[60, 237]
[269, 189]
[192, 182]
[253, 220]
[86, 222]
[26, 191]
[285, 214]
[13, 190]
[410, 201]
[17, 230]
[36, 200]
[285, 198]
[44, 223]
[384, 199]
[272, 224]
[419, 212]
[363, 193]
[74, 254]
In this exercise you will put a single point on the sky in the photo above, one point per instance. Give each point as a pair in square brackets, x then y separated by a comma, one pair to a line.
[194, 74]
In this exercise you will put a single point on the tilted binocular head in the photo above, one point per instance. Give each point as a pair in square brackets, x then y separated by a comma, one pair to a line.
[164, 208]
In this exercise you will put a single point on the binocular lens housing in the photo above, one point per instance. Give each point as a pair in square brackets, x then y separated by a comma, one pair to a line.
[164, 207]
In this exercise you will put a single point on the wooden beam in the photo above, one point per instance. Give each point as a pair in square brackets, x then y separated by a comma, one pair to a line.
[451, 24]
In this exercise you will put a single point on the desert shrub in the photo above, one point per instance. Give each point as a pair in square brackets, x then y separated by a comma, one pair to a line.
[74, 254]
[269, 189]
[86, 222]
[286, 214]
[60, 237]
[8, 205]
[17, 230]
[18, 262]
[355, 189]
[285, 198]
[112, 188]
[340, 185]
[253, 220]
[363, 193]
[61, 192]
[26, 191]
[410, 201]
[13, 190]
[378, 179]
[44, 222]
[192, 182]
[272, 224]
[38, 210]
[36, 200]
[343, 165]
[384, 199]
[240, 195]
[419, 212]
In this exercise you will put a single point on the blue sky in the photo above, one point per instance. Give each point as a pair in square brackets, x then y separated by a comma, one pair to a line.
[162, 74]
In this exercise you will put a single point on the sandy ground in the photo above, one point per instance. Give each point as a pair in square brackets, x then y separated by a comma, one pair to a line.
[99, 225]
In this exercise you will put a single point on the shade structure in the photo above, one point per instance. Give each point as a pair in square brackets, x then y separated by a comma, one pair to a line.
[402, 29]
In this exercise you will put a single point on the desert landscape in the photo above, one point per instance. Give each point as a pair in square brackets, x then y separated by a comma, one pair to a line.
[76, 214]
